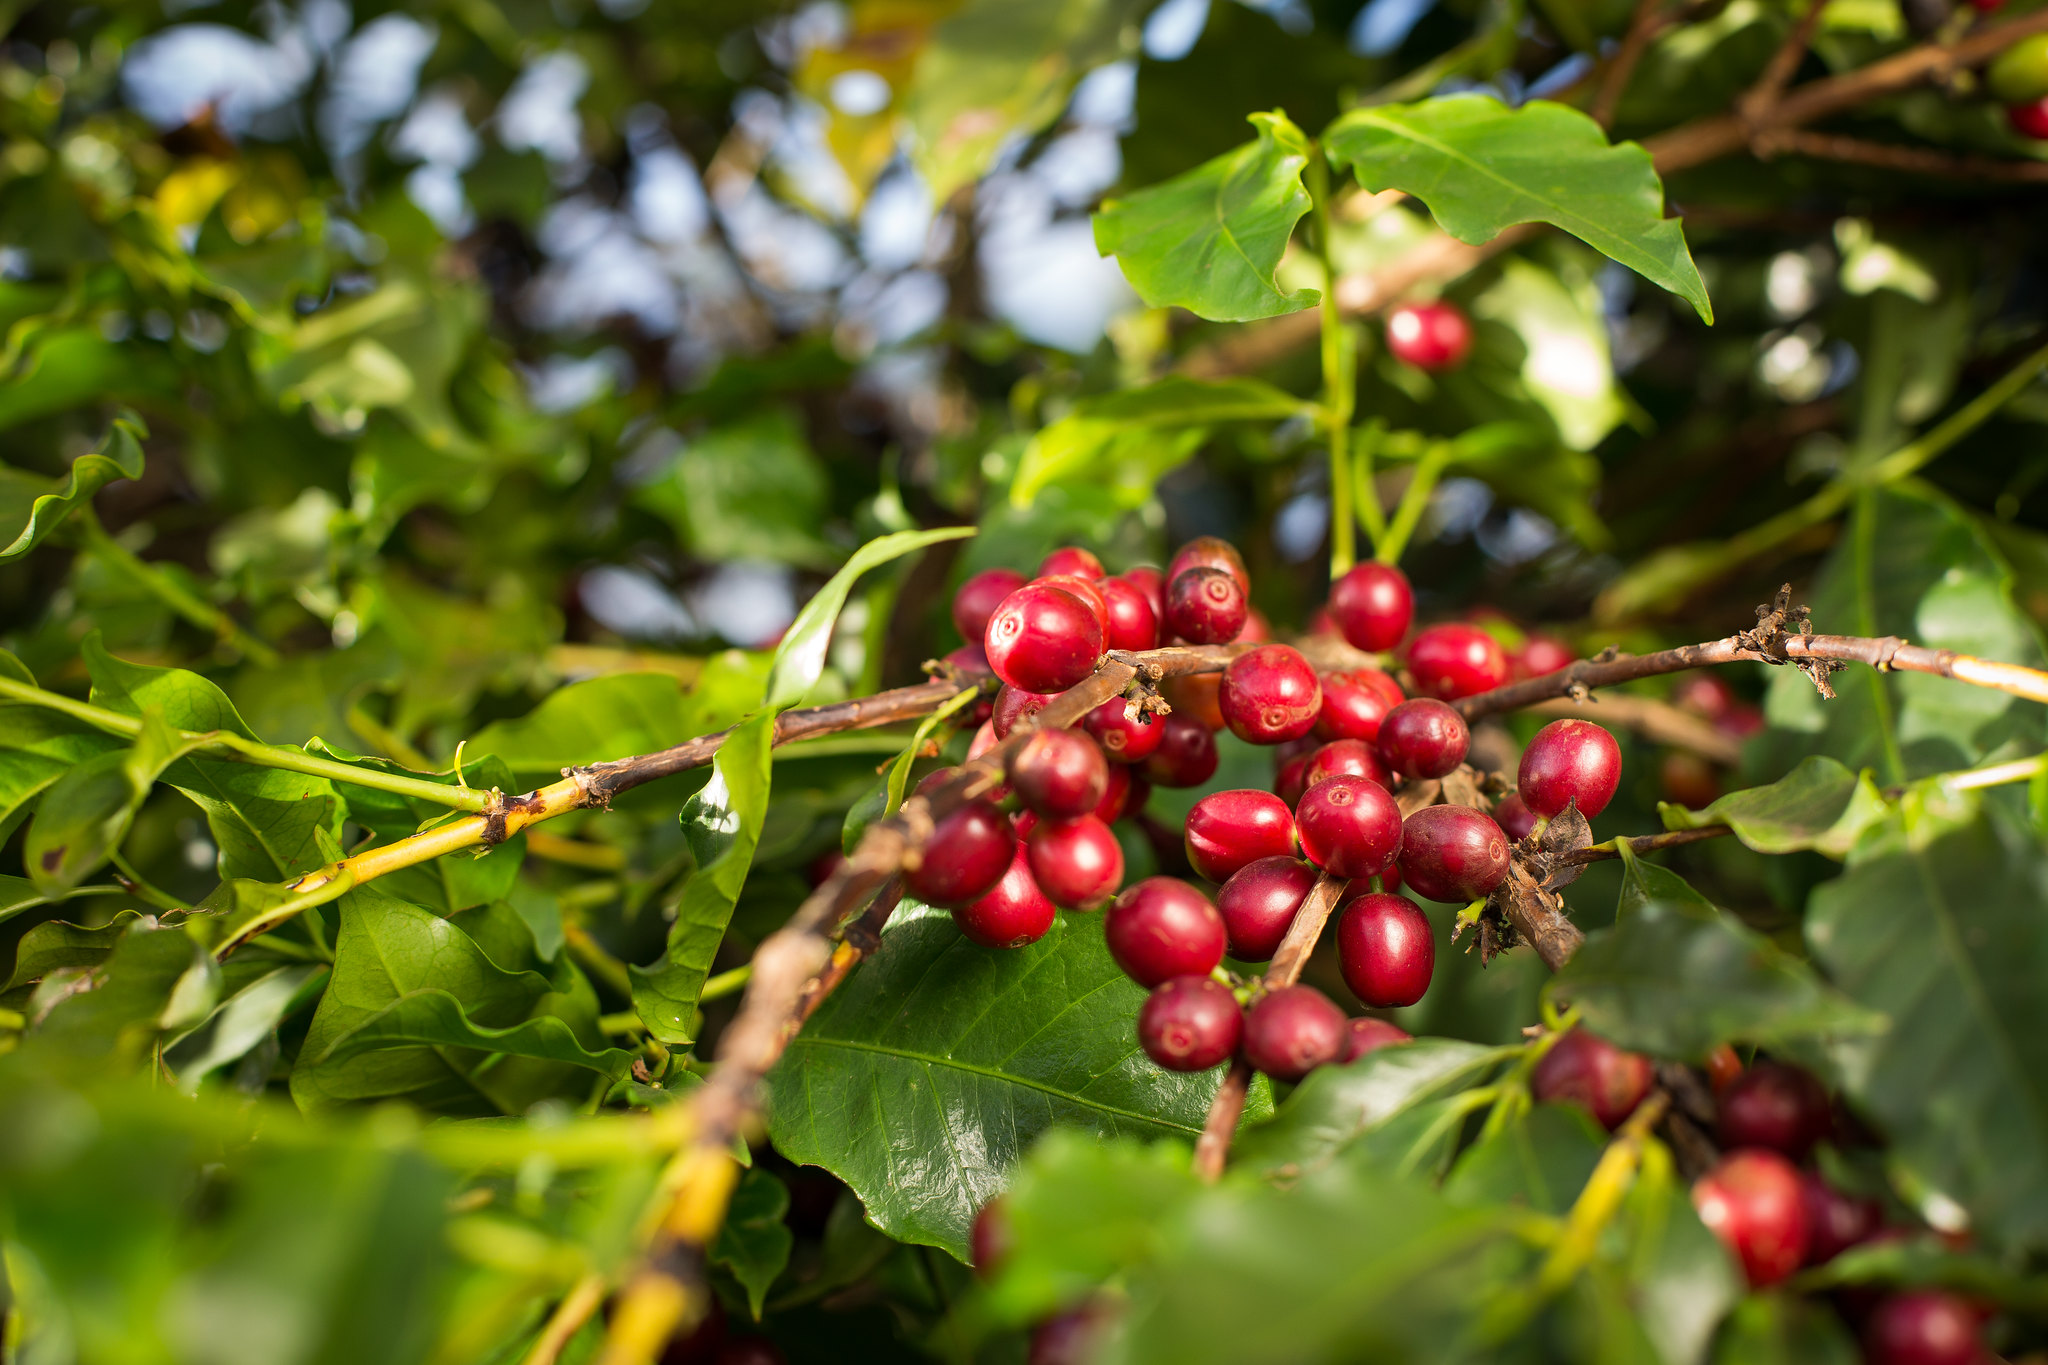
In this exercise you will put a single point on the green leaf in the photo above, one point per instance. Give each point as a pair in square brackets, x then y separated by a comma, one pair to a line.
[1938, 925]
[1209, 240]
[1132, 437]
[1680, 1279]
[32, 506]
[1778, 1329]
[1566, 369]
[239, 1023]
[1540, 1160]
[1819, 806]
[55, 945]
[885, 797]
[922, 1080]
[1482, 168]
[438, 1020]
[752, 490]
[754, 1243]
[615, 716]
[153, 980]
[37, 747]
[86, 813]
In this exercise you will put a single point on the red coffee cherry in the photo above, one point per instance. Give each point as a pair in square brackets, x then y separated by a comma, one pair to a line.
[1116, 795]
[1070, 1338]
[1151, 582]
[1751, 1201]
[1372, 606]
[1209, 552]
[1424, 738]
[1014, 706]
[1346, 758]
[1924, 1327]
[1163, 928]
[1196, 696]
[1595, 1075]
[1429, 336]
[1706, 695]
[1370, 1035]
[1291, 780]
[1185, 756]
[990, 1238]
[1723, 1067]
[1540, 655]
[1355, 701]
[1087, 590]
[1270, 694]
[1071, 559]
[1349, 826]
[1514, 817]
[1139, 792]
[1835, 1221]
[1258, 905]
[1059, 773]
[1010, 914]
[1452, 853]
[1386, 950]
[1569, 760]
[1292, 1031]
[1453, 661]
[1205, 607]
[749, 1350]
[1389, 878]
[1190, 1024]
[2029, 120]
[1226, 830]
[973, 847]
[1777, 1106]
[1257, 629]
[1043, 639]
[1132, 622]
[1078, 862]
[1124, 739]
[978, 599]
[1686, 779]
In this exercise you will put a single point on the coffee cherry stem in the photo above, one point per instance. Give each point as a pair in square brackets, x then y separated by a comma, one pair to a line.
[1601, 1199]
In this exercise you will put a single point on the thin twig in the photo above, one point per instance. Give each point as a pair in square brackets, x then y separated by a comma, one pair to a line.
[1643, 26]
[1913, 160]
[1760, 98]
[1643, 843]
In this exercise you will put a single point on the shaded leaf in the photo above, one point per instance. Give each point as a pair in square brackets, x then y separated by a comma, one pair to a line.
[32, 506]
[615, 716]
[154, 979]
[239, 1023]
[86, 813]
[1540, 1160]
[752, 490]
[754, 1243]
[1820, 806]
[38, 746]
[1778, 1329]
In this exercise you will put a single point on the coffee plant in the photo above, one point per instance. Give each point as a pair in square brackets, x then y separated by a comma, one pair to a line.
[1198, 681]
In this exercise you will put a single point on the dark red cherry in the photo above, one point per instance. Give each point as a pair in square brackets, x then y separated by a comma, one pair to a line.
[1539, 655]
[1209, 552]
[1258, 905]
[970, 850]
[1751, 1201]
[1205, 606]
[1071, 559]
[1569, 760]
[1386, 950]
[1429, 336]
[1257, 630]
[1777, 1106]
[1186, 755]
[1924, 1327]
[1451, 661]
[1514, 817]
[749, 1350]
[1270, 694]
[1355, 701]
[1722, 1066]
[2029, 120]
[1686, 779]
[1835, 1221]
[1706, 695]
[1132, 622]
[1593, 1074]
[1346, 758]
[990, 1238]
[1291, 1031]
[1370, 1035]
[1190, 1024]
[1452, 853]
[1196, 696]
[1059, 773]
[1014, 706]
[1124, 738]
[1372, 606]
[978, 599]
[1087, 589]
[1116, 795]
[1043, 639]
[1163, 928]
[1349, 826]
[1078, 862]
[1139, 793]
[1010, 914]
[1151, 582]
[1228, 829]
[1424, 738]
[1291, 780]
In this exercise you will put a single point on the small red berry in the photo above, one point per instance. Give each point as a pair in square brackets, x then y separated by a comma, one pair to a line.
[1705, 695]
[1514, 817]
[1012, 913]
[1185, 756]
[1751, 1201]
[1190, 1023]
[1372, 606]
[1424, 738]
[990, 1238]
[1116, 795]
[1087, 590]
[1429, 336]
[1923, 1327]
[1540, 655]
[1370, 1035]
[1290, 780]
[1209, 552]
[1835, 1221]
[1777, 1106]
[1071, 559]
[1349, 826]
[1386, 950]
[1258, 905]
[1270, 694]
[1228, 829]
[1257, 629]
[1452, 853]
[1077, 862]
[1346, 758]
[749, 1350]
[1135, 796]
[1355, 701]
[1686, 779]
[1151, 582]
[1162, 928]
[978, 599]
[2029, 120]
[1132, 622]
[1205, 606]
[1452, 661]
[1059, 773]
[1124, 738]
[1196, 696]
[973, 846]
[1043, 639]
[1723, 1067]
[1014, 706]
[1569, 760]
[1592, 1073]
[1291, 1031]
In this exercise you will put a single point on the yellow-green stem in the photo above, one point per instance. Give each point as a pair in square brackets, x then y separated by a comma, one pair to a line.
[1416, 497]
[1339, 381]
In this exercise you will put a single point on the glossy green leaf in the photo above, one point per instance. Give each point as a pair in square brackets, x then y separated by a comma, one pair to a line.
[437, 1019]
[615, 716]
[1210, 240]
[153, 980]
[32, 506]
[239, 1023]
[1819, 806]
[752, 490]
[754, 1243]
[1540, 1160]
[56, 944]
[1482, 167]
[1926, 1261]
[37, 747]
[922, 1079]
[86, 813]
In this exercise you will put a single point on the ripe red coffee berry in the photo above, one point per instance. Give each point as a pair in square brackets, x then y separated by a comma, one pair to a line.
[1751, 1201]
[1424, 738]
[1205, 606]
[1835, 1221]
[1777, 1106]
[1291, 780]
[2029, 120]
[1540, 655]
[1924, 1327]
[1043, 639]
[1372, 606]
[1452, 853]
[1132, 622]
[1258, 905]
[1386, 950]
[749, 1350]
[1592, 1073]
[978, 599]
[1705, 695]
[1087, 590]
[1010, 914]
[1346, 758]
[1059, 773]
[1071, 559]
[1196, 696]
[1355, 702]
[1370, 1035]
[1226, 830]
[1452, 661]
[1292, 1031]
[990, 1238]
[1348, 826]
[1429, 336]
[978, 847]
[1124, 738]
[1514, 817]
[1163, 928]
[1148, 580]
[1686, 779]
[1185, 756]
[1569, 760]
[1014, 706]
[1116, 795]
[1190, 1023]
[1077, 862]
[1270, 694]
[1209, 552]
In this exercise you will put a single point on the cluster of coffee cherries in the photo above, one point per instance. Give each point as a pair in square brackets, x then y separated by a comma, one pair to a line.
[1764, 1199]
